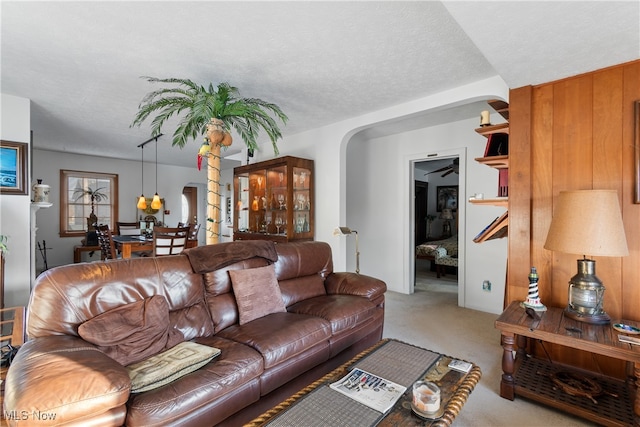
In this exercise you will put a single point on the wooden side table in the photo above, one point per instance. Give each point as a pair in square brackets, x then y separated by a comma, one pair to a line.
[11, 332]
[532, 378]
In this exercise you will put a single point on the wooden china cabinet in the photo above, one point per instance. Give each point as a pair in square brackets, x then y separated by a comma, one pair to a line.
[274, 200]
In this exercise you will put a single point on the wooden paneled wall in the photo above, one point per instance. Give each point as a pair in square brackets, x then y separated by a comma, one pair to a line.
[576, 133]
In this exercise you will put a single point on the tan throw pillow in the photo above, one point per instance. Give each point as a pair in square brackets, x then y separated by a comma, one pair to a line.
[257, 292]
[169, 365]
[134, 331]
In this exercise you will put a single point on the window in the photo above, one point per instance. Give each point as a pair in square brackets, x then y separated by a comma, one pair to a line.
[184, 217]
[76, 202]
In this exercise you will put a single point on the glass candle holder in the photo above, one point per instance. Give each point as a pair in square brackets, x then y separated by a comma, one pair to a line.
[426, 397]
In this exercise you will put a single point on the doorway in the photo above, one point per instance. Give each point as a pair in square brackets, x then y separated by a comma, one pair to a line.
[431, 173]
[421, 193]
[189, 205]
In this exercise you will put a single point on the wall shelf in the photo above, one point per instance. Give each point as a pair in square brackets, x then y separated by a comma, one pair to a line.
[496, 230]
[497, 162]
[500, 226]
[496, 201]
[501, 107]
[488, 130]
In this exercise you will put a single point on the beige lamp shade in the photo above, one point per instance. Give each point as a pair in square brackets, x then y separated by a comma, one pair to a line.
[589, 223]
[446, 214]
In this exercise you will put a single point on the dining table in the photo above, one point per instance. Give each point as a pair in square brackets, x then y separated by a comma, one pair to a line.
[130, 244]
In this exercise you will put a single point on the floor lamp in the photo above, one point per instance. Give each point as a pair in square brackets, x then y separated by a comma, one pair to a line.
[343, 231]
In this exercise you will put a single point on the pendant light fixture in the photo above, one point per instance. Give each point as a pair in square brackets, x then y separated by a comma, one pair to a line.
[142, 201]
[156, 203]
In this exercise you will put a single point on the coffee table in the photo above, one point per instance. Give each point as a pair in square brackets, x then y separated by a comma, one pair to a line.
[403, 363]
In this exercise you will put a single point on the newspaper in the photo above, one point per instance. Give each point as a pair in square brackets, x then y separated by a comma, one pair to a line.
[371, 390]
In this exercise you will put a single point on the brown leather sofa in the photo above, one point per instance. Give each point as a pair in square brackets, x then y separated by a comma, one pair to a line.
[58, 378]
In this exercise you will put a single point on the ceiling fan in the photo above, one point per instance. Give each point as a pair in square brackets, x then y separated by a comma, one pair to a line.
[452, 168]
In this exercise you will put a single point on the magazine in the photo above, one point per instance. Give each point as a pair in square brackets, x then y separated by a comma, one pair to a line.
[369, 389]
[460, 365]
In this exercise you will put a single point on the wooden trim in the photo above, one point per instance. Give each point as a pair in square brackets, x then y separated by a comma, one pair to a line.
[114, 203]
[636, 145]
[519, 251]
[19, 187]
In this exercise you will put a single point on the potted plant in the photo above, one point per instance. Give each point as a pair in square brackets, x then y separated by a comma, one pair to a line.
[429, 218]
[211, 111]
[3, 245]
[95, 195]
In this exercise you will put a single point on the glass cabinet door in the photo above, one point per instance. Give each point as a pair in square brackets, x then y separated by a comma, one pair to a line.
[301, 200]
[276, 211]
[241, 189]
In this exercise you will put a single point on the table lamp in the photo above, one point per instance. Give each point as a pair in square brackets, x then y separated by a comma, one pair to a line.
[587, 222]
[446, 215]
[346, 231]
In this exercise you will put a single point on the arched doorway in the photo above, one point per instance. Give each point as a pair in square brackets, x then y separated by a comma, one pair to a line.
[189, 205]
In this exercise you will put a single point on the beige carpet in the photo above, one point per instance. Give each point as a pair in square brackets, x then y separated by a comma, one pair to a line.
[430, 318]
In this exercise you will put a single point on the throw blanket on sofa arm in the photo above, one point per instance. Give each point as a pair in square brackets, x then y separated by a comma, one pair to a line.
[209, 258]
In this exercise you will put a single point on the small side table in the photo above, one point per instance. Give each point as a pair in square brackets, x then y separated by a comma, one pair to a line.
[77, 252]
[11, 332]
[530, 377]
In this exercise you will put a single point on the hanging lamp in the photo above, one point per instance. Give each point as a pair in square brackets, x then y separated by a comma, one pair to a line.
[156, 203]
[142, 201]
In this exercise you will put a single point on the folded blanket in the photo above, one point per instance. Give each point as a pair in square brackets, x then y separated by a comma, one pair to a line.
[208, 258]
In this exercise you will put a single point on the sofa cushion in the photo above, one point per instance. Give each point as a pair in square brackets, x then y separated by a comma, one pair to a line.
[342, 311]
[301, 288]
[132, 332]
[209, 258]
[169, 365]
[280, 336]
[257, 293]
[205, 397]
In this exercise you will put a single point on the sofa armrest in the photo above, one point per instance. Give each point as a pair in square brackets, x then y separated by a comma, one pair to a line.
[355, 284]
[67, 380]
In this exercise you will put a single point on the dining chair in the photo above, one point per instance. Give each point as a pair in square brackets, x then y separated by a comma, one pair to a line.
[169, 240]
[192, 241]
[128, 228]
[105, 242]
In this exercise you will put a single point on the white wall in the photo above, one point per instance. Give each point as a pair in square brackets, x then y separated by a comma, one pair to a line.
[15, 209]
[328, 147]
[171, 181]
[379, 179]
[380, 210]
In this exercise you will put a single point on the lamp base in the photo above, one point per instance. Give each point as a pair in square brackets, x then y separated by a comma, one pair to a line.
[600, 318]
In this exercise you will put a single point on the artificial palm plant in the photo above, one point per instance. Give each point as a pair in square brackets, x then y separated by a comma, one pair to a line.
[211, 111]
[95, 195]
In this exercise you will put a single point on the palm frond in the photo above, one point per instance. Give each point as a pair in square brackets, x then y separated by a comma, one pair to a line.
[199, 104]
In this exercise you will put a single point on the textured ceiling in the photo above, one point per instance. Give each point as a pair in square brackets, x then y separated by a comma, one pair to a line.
[80, 62]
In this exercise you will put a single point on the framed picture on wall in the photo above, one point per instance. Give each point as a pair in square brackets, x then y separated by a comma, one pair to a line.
[13, 167]
[447, 197]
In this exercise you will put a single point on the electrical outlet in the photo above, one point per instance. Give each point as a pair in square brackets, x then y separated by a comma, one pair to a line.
[486, 286]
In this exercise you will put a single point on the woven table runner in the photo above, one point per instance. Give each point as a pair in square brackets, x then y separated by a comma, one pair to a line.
[396, 361]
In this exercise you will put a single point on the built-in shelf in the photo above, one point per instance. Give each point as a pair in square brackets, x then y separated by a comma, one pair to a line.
[497, 162]
[496, 230]
[501, 107]
[496, 201]
[488, 130]
[500, 226]
[40, 205]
